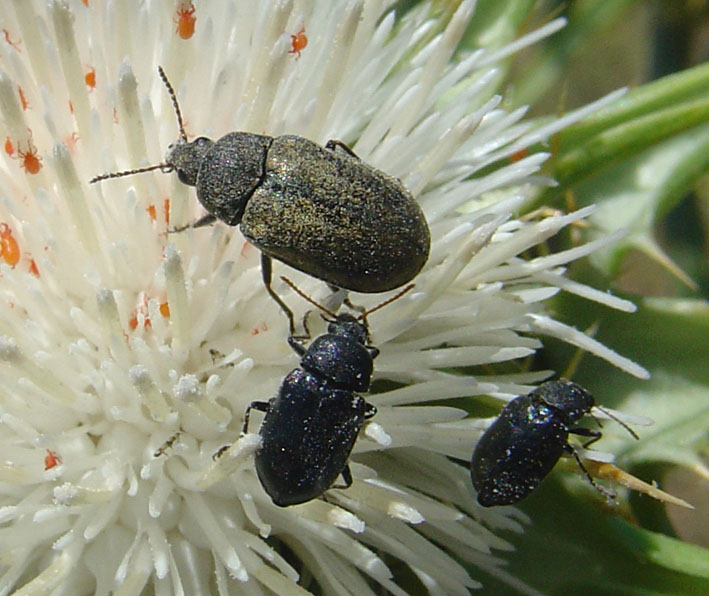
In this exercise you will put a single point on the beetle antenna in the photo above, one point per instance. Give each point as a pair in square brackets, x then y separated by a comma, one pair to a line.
[366, 313]
[173, 97]
[164, 167]
[308, 298]
[619, 421]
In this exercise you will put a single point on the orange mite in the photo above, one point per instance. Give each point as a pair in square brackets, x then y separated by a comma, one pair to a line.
[51, 460]
[298, 42]
[31, 160]
[260, 328]
[14, 44]
[153, 212]
[90, 78]
[140, 309]
[9, 147]
[185, 20]
[518, 155]
[33, 268]
[163, 308]
[23, 99]
[166, 210]
[133, 321]
[9, 249]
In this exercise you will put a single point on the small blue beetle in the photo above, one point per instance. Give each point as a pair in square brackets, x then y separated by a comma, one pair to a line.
[526, 440]
[311, 426]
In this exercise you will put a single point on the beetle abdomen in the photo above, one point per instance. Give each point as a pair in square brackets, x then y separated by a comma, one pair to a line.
[336, 218]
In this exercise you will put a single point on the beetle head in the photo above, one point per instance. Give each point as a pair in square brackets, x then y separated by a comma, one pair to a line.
[187, 158]
[347, 325]
[568, 397]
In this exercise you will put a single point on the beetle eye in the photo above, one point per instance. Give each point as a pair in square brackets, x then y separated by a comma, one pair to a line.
[183, 177]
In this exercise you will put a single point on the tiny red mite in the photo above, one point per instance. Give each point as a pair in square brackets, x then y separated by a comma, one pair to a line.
[90, 78]
[23, 99]
[9, 248]
[14, 44]
[185, 20]
[298, 42]
[518, 155]
[51, 460]
[31, 160]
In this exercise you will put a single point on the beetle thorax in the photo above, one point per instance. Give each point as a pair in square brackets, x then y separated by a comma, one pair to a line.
[187, 158]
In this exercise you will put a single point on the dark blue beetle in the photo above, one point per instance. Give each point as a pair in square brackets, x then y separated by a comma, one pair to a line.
[531, 433]
[311, 425]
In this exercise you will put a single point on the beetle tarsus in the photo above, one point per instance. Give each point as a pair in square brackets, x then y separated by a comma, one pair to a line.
[333, 144]
[205, 220]
[260, 406]
[346, 477]
[609, 494]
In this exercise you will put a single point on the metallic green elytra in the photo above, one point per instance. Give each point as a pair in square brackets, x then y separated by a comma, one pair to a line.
[318, 209]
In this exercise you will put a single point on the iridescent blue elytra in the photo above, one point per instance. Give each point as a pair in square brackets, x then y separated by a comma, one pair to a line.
[311, 425]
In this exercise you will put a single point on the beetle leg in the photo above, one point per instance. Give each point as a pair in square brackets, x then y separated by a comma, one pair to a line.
[369, 411]
[359, 308]
[267, 273]
[346, 476]
[332, 144]
[219, 452]
[216, 356]
[306, 335]
[296, 341]
[205, 220]
[298, 348]
[609, 494]
[261, 406]
[167, 444]
[587, 432]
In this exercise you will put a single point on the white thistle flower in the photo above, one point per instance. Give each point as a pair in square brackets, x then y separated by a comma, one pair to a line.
[115, 337]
